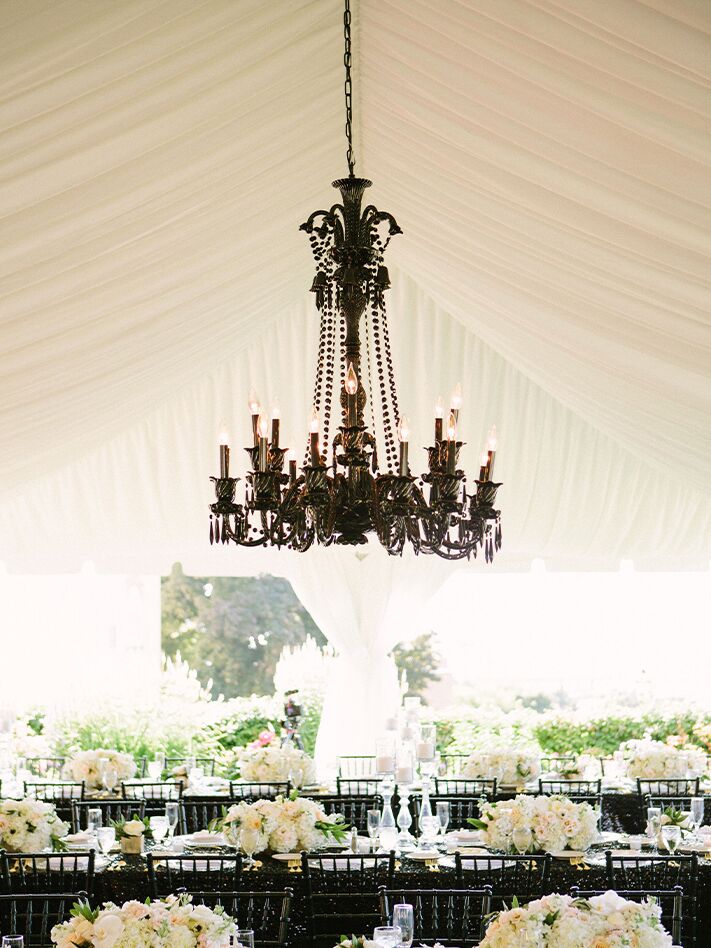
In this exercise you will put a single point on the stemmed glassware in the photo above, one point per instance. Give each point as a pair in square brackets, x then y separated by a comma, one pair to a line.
[106, 837]
[94, 819]
[697, 812]
[387, 936]
[443, 815]
[156, 767]
[404, 919]
[171, 814]
[654, 822]
[159, 827]
[522, 839]
[373, 827]
[245, 937]
[671, 835]
[13, 941]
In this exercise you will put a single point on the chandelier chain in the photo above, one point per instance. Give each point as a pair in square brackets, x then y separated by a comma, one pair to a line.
[348, 86]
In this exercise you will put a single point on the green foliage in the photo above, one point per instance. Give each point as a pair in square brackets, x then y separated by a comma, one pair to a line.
[232, 630]
[419, 660]
[605, 734]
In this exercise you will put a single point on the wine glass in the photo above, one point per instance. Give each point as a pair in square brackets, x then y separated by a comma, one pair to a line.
[671, 835]
[94, 819]
[156, 767]
[106, 837]
[245, 938]
[387, 936]
[159, 827]
[110, 778]
[654, 820]
[172, 813]
[443, 815]
[373, 826]
[404, 919]
[522, 839]
[697, 812]
[13, 941]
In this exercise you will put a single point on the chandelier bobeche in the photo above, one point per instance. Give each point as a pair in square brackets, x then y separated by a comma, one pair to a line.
[342, 493]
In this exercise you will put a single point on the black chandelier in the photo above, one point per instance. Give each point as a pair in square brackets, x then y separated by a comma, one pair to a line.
[342, 494]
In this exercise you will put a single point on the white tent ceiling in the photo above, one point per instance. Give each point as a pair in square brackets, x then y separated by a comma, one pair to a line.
[548, 162]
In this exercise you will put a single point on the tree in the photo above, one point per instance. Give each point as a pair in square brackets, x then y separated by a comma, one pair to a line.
[419, 660]
[232, 629]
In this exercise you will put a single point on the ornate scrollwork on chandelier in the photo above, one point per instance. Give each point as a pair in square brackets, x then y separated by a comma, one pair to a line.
[342, 493]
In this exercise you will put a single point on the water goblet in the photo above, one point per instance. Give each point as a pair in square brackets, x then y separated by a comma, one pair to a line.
[94, 819]
[387, 936]
[430, 828]
[697, 812]
[654, 821]
[245, 938]
[404, 919]
[13, 941]
[110, 778]
[159, 827]
[671, 835]
[106, 837]
[522, 839]
[373, 827]
[156, 767]
[172, 812]
[443, 815]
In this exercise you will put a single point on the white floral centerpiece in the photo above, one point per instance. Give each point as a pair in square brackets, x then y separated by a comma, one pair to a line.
[604, 921]
[275, 764]
[561, 767]
[30, 826]
[511, 765]
[173, 922]
[283, 825]
[555, 823]
[86, 765]
[654, 760]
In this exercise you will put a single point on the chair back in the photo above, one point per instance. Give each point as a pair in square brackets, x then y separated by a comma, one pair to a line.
[207, 763]
[670, 902]
[448, 916]
[356, 766]
[329, 914]
[669, 787]
[451, 786]
[461, 809]
[57, 791]
[451, 765]
[357, 786]
[259, 790]
[47, 872]
[571, 788]
[676, 803]
[526, 877]
[266, 913]
[196, 813]
[151, 790]
[559, 764]
[644, 872]
[110, 810]
[347, 872]
[47, 768]
[34, 914]
[354, 809]
[167, 874]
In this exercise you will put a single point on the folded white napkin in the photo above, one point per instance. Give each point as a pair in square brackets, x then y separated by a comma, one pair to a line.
[205, 838]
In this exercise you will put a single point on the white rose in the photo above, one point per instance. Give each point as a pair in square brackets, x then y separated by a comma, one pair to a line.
[134, 828]
[107, 930]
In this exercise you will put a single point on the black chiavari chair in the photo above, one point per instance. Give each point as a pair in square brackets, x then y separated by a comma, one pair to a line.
[196, 813]
[47, 872]
[451, 765]
[559, 764]
[525, 876]
[266, 913]
[330, 914]
[206, 763]
[356, 766]
[110, 810]
[455, 786]
[46, 768]
[448, 916]
[669, 787]
[142, 767]
[642, 872]
[353, 809]
[154, 794]
[57, 791]
[461, 809]
[167, 874]
[576, 789]
[357, 786]
[670, 902]
[347, 872]
[259, 790]
[34, 914]
[682, 803]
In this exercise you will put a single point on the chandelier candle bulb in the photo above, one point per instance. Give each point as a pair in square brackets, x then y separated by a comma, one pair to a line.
[484, 462]
[276, 414]
[351, 386]
[439, 415]
[403, 433]
[224, 454]
[456, 402]
[491, 453]
[451, 443]
[291, 458]
[254, 412]
[313, 439]
[262, 431]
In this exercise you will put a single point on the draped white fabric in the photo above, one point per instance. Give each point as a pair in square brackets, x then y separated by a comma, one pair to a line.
[547, 160]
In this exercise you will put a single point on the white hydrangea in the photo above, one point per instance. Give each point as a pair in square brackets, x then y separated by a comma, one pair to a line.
[555, 822]
[654, 760]
[509, 765]
[171, 923]
[86, 766]
[274, 764]
[280, 826]
[30, 826]
[558, 921]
